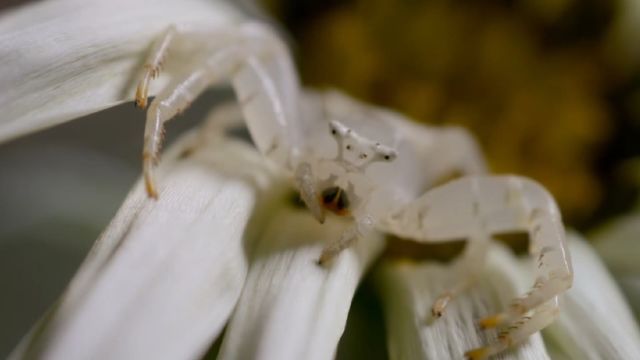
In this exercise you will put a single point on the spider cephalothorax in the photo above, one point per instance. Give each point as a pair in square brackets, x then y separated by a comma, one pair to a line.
[355, 152]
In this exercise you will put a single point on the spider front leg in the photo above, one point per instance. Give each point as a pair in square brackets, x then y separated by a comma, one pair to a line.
[359, 229]
[473, 206]
[519, 330]
[258, 66]
[467, 268]
[153, 65]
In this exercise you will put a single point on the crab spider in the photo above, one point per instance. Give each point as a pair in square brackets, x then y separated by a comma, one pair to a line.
[367, 164]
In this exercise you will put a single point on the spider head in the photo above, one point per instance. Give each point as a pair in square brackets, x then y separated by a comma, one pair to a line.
[343, 186]
[356, 152]
[340, 185]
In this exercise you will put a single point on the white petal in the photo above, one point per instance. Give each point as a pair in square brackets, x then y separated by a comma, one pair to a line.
[595, 322]
[164, 277]
[292, 308]
[67, 58]
[618, 244]
[409, 290]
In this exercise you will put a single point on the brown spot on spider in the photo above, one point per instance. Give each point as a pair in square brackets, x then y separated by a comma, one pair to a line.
[335, 199]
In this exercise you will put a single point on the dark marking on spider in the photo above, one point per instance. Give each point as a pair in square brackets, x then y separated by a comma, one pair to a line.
[335, 199]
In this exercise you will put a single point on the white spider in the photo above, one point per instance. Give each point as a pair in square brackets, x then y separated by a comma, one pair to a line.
[370, 165]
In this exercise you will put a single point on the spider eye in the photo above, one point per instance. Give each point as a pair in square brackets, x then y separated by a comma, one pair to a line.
[389, 155]
[336, 128]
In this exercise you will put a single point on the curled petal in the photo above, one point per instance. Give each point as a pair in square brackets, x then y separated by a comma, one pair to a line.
[164, 277]
[68, 58]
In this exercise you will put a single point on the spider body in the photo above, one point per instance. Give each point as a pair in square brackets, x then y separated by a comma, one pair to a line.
[368, 164]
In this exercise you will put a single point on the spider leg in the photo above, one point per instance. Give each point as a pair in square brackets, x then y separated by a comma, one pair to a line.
[547, 244]
[450, 152]
[466, 268]
[474, 207]
[259, 69]
[306, 183]
[454, 151]
[519, 330]
[153, 65]
[361, 228]
[222, 117]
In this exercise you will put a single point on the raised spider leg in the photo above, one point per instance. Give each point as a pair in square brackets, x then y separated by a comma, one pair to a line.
[153, 65]
[260, 72]
[499, 204]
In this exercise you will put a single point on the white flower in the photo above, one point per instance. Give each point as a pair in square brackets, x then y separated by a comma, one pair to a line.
[223, 246]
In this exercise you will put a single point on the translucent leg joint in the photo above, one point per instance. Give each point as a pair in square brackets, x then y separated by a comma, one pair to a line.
[361, 228]
[148, 163]
[347, 238]
[305, 182]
